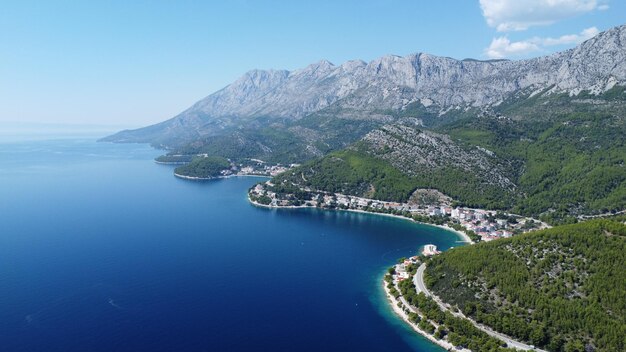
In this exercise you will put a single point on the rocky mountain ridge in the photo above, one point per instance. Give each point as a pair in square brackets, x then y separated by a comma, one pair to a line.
[391, 83]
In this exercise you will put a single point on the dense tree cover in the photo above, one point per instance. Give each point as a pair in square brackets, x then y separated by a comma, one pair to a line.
[204, 167]
[269, 144]
[567, 159]
[579, 162]
[354, 172]
[285, 143]
[263, 199]
[561, 288]
[571, 164]
[459, 332]
[568, 152]
[175, 159]
[349, 172]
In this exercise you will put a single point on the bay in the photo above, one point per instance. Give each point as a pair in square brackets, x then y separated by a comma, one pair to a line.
[101, 249]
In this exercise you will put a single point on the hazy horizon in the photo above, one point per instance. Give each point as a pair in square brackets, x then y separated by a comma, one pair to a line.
[15, 131]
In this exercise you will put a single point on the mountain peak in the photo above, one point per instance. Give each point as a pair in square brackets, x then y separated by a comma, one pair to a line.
[323, 63]
[320, 66]
[392, 82]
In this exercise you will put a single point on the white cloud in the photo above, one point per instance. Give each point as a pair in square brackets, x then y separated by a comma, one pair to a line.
[502, 47]
[517, 15]
[570, 38]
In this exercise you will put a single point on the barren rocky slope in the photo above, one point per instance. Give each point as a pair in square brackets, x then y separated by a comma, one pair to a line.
[357, 89]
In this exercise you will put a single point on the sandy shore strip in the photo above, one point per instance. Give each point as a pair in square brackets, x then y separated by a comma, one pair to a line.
[394, 304]
[461, 234]
[194, 178]
[216, 177]
[269, 206]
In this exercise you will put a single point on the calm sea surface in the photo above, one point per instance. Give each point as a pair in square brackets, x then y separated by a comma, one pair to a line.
[101, 249]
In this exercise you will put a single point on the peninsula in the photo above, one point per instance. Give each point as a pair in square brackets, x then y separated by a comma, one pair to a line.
[553, 289]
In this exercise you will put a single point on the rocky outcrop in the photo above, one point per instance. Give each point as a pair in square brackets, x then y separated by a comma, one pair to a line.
[412, 150]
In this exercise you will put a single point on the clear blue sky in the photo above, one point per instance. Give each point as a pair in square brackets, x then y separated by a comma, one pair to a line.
[140, 62]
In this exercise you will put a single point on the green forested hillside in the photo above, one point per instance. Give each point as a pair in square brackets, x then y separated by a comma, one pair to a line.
[285, 143]
[565, 156]
[354, 172]
[204, 167]
[350, 172]
[574, 163]
[563, 288]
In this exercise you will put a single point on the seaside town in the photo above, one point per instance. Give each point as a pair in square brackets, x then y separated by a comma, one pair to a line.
[478, 224]
[260, 169]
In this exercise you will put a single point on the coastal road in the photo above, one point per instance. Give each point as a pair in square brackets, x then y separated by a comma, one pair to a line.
[418, 280]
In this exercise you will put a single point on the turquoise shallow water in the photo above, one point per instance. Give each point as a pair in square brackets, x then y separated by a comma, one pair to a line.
[101, 249]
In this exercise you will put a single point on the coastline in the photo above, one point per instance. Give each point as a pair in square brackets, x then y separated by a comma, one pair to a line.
[393, 302]
[193, 178]
[170, 162]
[269, 206]
[461, 234]
[464, 237]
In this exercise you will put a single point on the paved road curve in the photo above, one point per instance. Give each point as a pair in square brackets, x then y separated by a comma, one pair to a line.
[418, 280]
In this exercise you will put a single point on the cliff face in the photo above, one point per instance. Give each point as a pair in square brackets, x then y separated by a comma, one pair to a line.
[391, 83]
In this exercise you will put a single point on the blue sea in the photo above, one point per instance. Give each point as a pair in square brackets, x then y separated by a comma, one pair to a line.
[101, 249]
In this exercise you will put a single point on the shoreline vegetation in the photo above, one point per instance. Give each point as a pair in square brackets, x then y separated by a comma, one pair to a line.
[206, 167]
[424, 315]
[559, 289]
[170, 162]
[396, 307]
[194, 178]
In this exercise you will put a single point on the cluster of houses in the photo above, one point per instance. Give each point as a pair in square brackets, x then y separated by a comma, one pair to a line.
[402, 269]
[482, 222]
[263, 169]
[353, 202]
